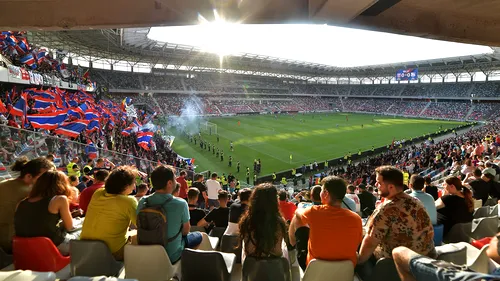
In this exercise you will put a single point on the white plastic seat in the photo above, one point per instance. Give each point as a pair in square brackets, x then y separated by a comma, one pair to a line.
[149, 263]
[320, 270]
[208, 243]
[484, 227]
[27, 275]
[455, 253]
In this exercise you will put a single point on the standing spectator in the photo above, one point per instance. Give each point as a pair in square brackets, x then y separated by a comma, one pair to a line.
[213, 189]
[195, 213]
[367, 201]
[416, 185]
[218, 216]
[323, 243]
[177, 232]
[262, 228]
[400, 221]
[202, 189]
[12, 191]
[237, 210]
[184, 186]
[352, 195]
[47, 204]
[99, 180]
[430, 189]
[287, 208]
[111, 211]
[456, 205]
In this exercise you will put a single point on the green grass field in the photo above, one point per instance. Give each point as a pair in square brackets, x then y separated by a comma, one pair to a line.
[316, 139]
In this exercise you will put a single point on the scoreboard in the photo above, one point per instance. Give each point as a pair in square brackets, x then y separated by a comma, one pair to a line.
[407, 74]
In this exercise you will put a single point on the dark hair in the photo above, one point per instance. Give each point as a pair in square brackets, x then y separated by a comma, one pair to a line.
[427, 180]
[142, 187]
[198, 177]
[50, 156]
[193, 193]
[119, 179]
[477, 172]
[214, 175]
[90, 160]
[161, 176]
[100, 160]
[245, 194]
[351, 188]
[262, 225]
[35, 167]
[182, 173]
[101, 175]
[19, 164]
[391, 175]
[85, 178]
[316, 193]
[50, 184]
[283, 195]
[335, 186]
[417, 182]
[465, 191]
[177, 188]
[223, 195]
[73, 178]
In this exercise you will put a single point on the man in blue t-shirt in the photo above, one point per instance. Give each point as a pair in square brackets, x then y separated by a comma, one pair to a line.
[163, 181]
[417, 185]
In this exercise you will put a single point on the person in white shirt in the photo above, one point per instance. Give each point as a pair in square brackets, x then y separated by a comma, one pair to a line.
[213, 188]
[351, 195]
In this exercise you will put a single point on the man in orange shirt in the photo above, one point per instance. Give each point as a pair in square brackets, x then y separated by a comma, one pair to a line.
[287, 208]
[184, 186]
[335, 233]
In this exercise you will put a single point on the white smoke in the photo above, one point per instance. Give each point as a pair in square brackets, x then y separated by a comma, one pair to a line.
[191, 116]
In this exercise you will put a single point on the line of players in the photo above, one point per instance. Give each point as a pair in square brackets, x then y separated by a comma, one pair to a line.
[257, 166]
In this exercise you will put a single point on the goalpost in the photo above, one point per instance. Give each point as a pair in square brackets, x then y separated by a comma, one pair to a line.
[208, 128]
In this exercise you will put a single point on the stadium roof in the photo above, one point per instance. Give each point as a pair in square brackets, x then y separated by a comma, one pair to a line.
[133, 45]
[468, 21]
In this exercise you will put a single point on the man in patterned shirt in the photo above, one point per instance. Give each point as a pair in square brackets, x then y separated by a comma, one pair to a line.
[400, 221]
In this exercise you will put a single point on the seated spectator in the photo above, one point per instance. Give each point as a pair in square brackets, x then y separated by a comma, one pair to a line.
[177, 190]
[287, 208]
[12, 191]
[84, 183]
[177, 233]
[196, 214]
[352, 195]
[430, 189]
[213, 189]
[455, 206]
[39, 214]
[141, 191]
[111, 211]
[413, 266]
[237, 210]
[400, 221]
[479, 186]
[416, 186]
[324, 243]
[75, 193]
[219, 216]
[184, 186]
[349, 204]
[367, 201]
[262, 228]
[202, 189]
[99, 180]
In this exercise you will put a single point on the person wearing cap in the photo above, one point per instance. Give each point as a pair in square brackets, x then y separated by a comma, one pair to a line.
[413, 266]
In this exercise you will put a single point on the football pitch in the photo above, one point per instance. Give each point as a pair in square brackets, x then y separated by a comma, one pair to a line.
[308, 138]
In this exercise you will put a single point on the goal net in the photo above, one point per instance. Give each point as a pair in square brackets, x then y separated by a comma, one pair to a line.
[208, 128]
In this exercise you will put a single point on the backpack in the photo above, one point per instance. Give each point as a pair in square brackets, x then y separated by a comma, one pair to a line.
[152, 224]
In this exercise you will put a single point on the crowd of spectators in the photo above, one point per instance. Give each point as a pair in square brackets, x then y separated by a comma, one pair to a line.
[447, 110]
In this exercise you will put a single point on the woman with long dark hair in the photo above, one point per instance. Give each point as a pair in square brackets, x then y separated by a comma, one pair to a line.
[456, 205]
[262, 228]
[47, 204]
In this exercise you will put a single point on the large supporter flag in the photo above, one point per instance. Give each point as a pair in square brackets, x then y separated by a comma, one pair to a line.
[43, 103]
[144, 139]
[91, 114]
[72, 129]
[19, 109]
[91, 150]
[93, 125]
[48, 121]
[3, 109]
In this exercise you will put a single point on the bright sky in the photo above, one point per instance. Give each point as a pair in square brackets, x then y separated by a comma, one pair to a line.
[330, 45]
